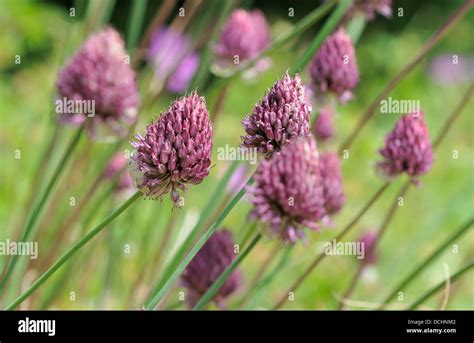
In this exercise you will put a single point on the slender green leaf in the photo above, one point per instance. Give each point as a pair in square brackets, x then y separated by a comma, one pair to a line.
[35, 215]
[402, 284]
[440, 285]
[68, 254]
[162, 291]
[216, 195]
[135, 22]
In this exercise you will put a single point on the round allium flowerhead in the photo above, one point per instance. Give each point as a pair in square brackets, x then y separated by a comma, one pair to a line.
[323, 127]
[333, 188]
[334, 67]
[369, 240]
[97, 86]
[175, 150]
[288, 191]
[244, 36]
[407, 148]
[208, 264]
[279, 118]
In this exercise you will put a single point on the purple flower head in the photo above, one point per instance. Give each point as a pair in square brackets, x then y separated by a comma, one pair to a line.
[333, 188]
[447, 69]
[208, 264]
[369, 240]
[116, 164]
[407, 148]
[238, 179]
[288, 190]
[173, 58]
[323, 127]
[244, 36]
[281, 117]
[125, 183]
[175, 150]
[334, 67]
[99, 79]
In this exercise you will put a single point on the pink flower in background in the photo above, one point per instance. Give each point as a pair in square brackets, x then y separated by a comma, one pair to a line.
[323, 127]
[175, 151]
[452, 69]
[407, 148]
[173, 58]
[369, 239]
[99, 78]
[334, 67]
[370, 8]
[244, 36]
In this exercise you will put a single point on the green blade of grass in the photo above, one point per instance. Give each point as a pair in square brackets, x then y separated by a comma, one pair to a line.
[38, 209]
[162, 291]
[177, 258]
[402, 284]
[440, 285]
[135, 22]
[68, 254]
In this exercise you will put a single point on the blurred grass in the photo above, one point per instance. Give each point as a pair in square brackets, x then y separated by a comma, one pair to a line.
[429, 215]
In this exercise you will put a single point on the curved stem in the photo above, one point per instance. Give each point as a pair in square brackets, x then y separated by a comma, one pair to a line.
[68, 254]
[352, 285]
[410, 277]
[318, 260]
[33, 219]
[437, 36]
[440, 285]
[212, 291]
[259, 274]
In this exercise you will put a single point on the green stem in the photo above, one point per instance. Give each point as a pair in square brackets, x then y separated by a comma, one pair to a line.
[33, 220]
[216, 195]
[462, 230]
[206, 58]
[68, 254]
[212, 291]
[321, 256]
[260, 286]
[135, 23]
[440, 285]
[325, 31]
[163, 290]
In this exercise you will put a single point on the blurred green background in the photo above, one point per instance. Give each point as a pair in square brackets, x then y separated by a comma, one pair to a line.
[44, 36]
